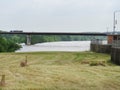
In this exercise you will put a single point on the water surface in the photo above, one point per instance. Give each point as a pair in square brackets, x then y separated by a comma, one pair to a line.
[57, 46]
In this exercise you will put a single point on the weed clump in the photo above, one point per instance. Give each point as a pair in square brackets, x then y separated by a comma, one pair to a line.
[2, 82]
[85, 62]
[97, 63]
[24, 63]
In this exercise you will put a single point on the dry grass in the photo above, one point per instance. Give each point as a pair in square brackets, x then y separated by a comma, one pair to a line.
[58, 71]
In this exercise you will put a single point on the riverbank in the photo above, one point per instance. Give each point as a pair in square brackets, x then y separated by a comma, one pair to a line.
[59, 71]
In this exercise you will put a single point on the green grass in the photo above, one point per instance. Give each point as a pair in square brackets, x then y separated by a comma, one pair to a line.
[59, 71]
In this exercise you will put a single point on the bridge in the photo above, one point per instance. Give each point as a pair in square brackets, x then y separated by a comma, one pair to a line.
[28, 34]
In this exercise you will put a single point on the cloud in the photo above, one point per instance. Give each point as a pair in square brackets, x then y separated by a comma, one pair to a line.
[73, 15]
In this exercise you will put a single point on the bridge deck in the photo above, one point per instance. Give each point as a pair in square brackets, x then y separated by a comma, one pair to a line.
[57, 33]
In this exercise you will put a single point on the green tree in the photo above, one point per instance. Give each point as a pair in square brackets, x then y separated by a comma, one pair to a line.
[8, 45]
[3, 44]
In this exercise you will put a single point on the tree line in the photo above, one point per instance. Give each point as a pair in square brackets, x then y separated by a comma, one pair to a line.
[50, 38]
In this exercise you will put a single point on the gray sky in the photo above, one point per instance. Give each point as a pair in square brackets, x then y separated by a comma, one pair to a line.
[58, 15]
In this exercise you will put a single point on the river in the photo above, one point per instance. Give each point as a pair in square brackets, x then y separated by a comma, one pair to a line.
[66, 46]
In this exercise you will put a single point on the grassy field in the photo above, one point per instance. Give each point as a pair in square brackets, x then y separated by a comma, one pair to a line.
[59, 71]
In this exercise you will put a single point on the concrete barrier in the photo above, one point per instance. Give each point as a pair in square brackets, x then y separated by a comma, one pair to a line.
[115, 55]
[108, 49]
[101, 48]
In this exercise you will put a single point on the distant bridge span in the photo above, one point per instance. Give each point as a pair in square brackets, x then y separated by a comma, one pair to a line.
[28, 34]
[57, 33]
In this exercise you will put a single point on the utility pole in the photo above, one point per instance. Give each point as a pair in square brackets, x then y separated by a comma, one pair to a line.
[115, 20]
[107, 28]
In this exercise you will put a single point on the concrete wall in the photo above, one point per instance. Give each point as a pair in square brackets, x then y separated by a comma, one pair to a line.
[100, 48]
[114, 51]
[115, 55]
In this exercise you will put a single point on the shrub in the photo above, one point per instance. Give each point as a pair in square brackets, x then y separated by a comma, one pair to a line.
[8, 45]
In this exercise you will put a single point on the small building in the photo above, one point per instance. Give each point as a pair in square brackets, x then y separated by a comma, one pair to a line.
[112, 38]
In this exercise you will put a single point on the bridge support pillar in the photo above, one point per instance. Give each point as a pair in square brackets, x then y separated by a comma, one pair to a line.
[28, 42]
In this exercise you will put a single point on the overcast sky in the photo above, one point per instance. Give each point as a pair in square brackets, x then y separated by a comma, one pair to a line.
[58, 15]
